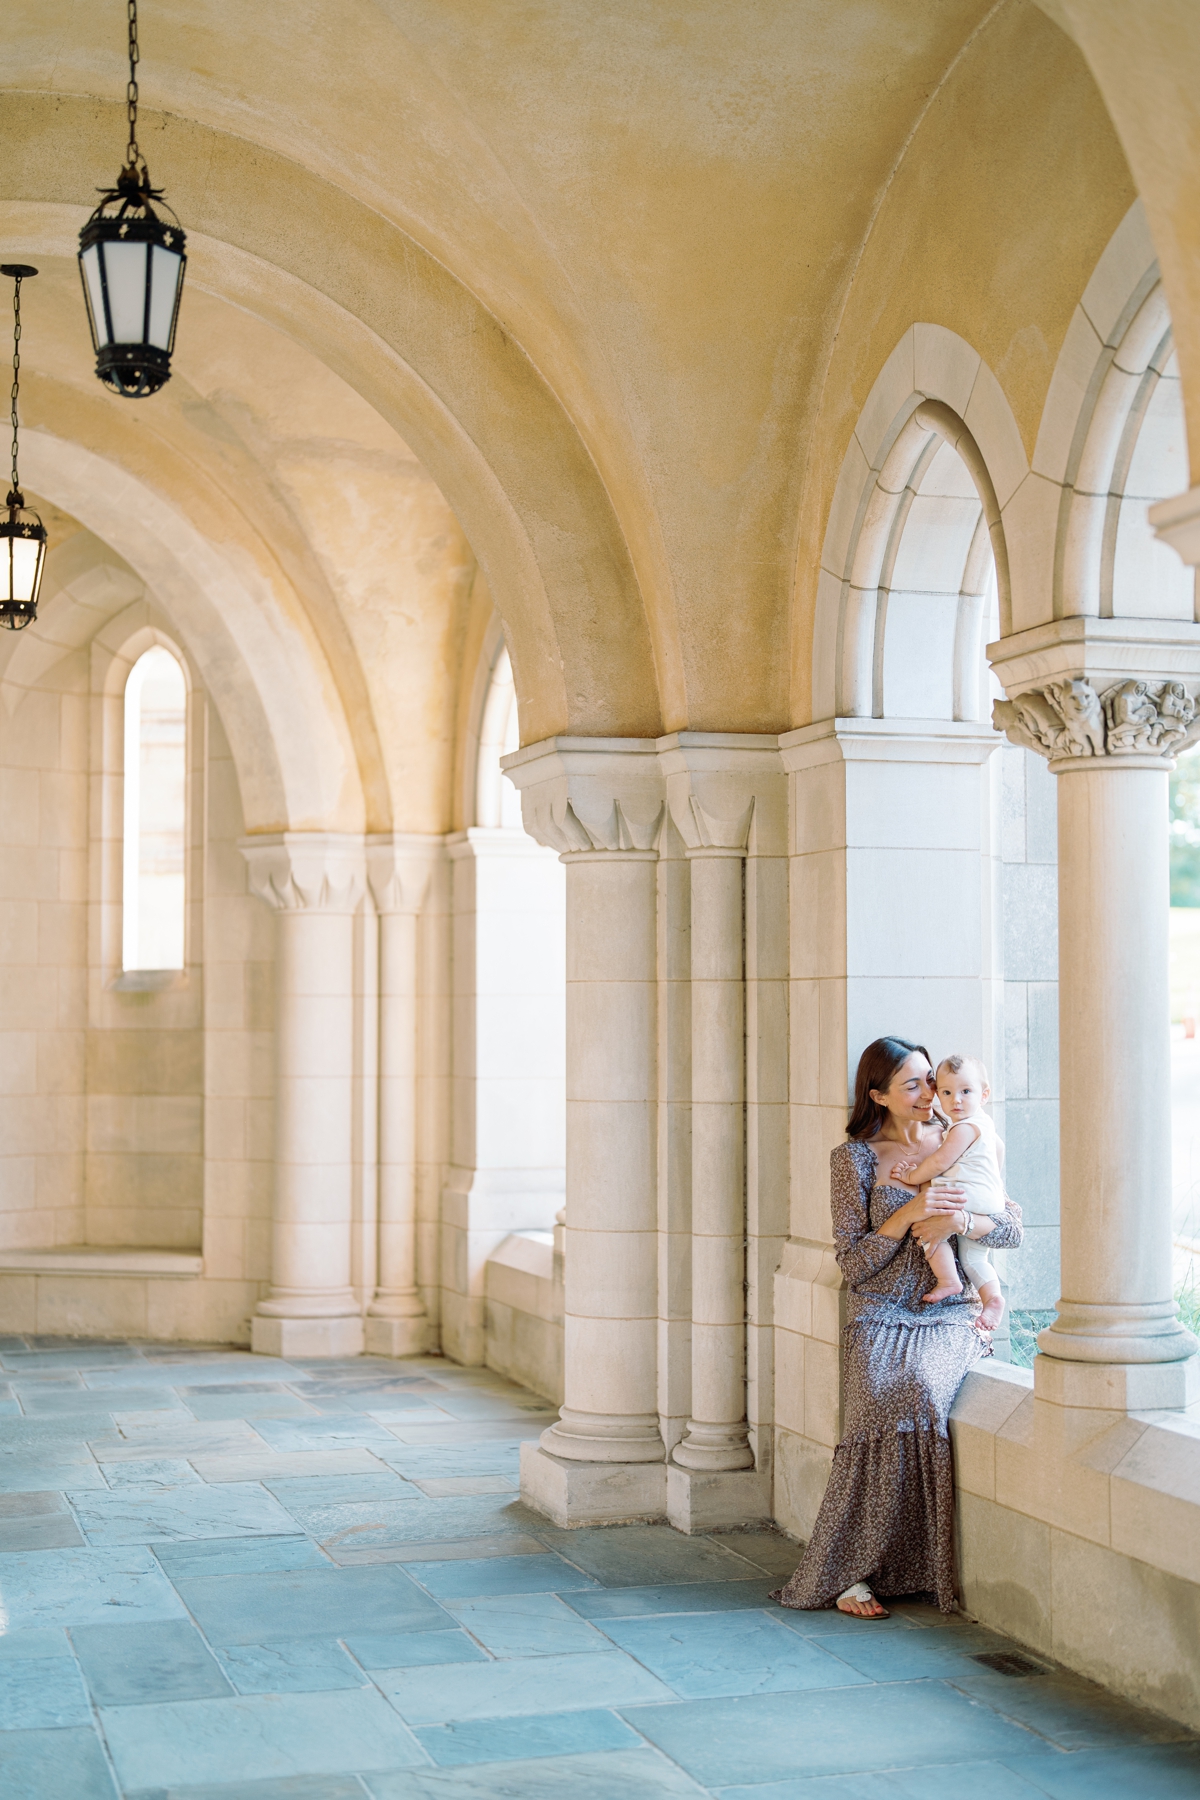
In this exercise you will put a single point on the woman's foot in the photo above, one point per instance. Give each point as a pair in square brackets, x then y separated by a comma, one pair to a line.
[860, 1603]
[943, 1291]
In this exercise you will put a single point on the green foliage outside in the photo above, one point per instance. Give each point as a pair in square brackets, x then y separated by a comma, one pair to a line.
[1185, 831]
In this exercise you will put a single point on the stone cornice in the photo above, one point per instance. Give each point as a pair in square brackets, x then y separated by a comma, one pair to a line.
[307, 871]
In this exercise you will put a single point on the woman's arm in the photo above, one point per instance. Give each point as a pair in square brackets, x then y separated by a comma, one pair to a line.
[1002, 1233]
[956, 1143]
[860, 1251]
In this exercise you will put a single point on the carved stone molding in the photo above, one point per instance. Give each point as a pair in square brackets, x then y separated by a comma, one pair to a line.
[726, 792]
[307, 871]
[581, 796]
[399, 867]
[1068, 719]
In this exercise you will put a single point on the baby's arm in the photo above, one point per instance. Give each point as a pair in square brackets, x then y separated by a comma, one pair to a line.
[956, 1143]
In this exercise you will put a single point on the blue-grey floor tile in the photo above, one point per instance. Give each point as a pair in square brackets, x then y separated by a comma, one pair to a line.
[502, 1431]
[602, 1775]
[49, 1531]
[476, 1576]
[415, 1519]
[832, 1731]
[131, 1665]
[81, 1587]
[338, 1490]
[909, 1655]
[44, 1694]
[412, 1650]
[687, 1597]
[239, 1556]
[1073, 1713]
[527, 1625]
[1151, 1772]
[146, 1515]
[28, 1646]
[769, 1551]
[288, 1787]
[643, 1555]
[828, 1622]
[256, 1738]
[251, 1405]
[10, 1409]
[996, 1780]
[151, 1472]
[50, 1765]
[338, 1431]
[447, 1487]
[23, 1471]
[529, 1684]
[90, 1405]
[499, 1740]
[465, 1459]
[248, 1609]
[290, 1666]
[700, 1655]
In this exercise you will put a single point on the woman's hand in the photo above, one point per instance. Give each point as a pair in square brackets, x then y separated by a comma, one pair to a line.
[932, 1217]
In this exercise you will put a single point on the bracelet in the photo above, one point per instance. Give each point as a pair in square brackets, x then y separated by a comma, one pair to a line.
[966, 1230]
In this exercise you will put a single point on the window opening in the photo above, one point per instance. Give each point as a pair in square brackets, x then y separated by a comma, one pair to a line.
[155, 813]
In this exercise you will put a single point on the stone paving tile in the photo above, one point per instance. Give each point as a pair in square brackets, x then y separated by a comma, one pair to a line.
[47, 1765]
[344, 1563]
[608, 1775]
[550, 1734]
[146, 1515]
[254, 1737]
[131, 1665]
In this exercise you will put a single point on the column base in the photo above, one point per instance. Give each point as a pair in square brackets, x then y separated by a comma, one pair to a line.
[396, 1337]
[605, 1437]
[306, 1338]
[1090, 1332]
[714, 1449]
[698, 1500]
[572, 1493]
[1117, 1387]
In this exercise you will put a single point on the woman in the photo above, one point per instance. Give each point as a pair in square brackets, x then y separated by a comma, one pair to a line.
[888, 1514]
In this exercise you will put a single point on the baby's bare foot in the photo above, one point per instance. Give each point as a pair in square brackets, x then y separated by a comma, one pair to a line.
[991, 1315]
[942, 1291]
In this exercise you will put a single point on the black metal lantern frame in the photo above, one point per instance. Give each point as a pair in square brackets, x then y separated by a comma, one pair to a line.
[131, 261]
[22, 534]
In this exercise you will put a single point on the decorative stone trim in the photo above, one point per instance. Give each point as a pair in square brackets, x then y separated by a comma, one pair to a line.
[1068, 718]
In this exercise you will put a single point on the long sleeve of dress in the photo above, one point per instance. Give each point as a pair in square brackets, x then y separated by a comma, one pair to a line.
[861, 1252]
[1007, 1232]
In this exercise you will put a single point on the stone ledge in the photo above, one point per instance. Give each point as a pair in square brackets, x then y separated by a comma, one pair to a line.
[88, 1259]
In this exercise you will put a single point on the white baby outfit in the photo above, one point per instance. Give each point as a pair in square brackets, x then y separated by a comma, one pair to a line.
[977, 1172]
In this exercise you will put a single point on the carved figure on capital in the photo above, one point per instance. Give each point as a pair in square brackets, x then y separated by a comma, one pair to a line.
[1068, 718]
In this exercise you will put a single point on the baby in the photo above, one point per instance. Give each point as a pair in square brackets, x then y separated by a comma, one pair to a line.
[972, 1150]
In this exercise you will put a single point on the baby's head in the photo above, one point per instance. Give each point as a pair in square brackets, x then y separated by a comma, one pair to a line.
[962, 1085]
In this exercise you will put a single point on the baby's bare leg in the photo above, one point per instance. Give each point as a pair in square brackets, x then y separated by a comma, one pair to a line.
[940, 1258]
[993, 1306]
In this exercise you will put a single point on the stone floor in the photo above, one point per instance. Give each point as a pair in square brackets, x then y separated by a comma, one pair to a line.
[222, 1575]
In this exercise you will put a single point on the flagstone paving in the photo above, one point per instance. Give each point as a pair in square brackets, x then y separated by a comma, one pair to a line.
[227, 1577]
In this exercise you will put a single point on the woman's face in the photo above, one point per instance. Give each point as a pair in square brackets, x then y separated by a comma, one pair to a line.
[912, 1092]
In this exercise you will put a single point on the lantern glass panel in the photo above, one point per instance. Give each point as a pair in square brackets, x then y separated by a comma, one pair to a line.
[24, 556]
[165, 268]
[125, 270]
[95, 294]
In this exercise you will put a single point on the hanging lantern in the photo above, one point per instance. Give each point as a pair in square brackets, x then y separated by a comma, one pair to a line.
[22, 534]
[132, 264]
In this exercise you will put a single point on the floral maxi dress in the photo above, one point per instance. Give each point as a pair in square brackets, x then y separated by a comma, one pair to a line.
[888, 1513]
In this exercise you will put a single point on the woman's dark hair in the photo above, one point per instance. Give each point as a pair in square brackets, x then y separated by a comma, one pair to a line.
[876, 1067]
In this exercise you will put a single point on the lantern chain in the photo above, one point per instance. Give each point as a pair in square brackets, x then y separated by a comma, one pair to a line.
[132, 154]
[16, 380]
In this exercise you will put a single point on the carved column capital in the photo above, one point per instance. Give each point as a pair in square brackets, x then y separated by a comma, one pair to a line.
[726, 792]
[1082, 690]
[399, 867]
[589, 795]
[307, 871]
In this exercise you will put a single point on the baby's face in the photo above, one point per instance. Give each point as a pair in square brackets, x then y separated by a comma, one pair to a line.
[962, 1094]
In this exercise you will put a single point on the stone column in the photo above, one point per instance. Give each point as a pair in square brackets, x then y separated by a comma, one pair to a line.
[1110, 727]
[599, 803]
[399, 869]
[718, 785]
[315, 882]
